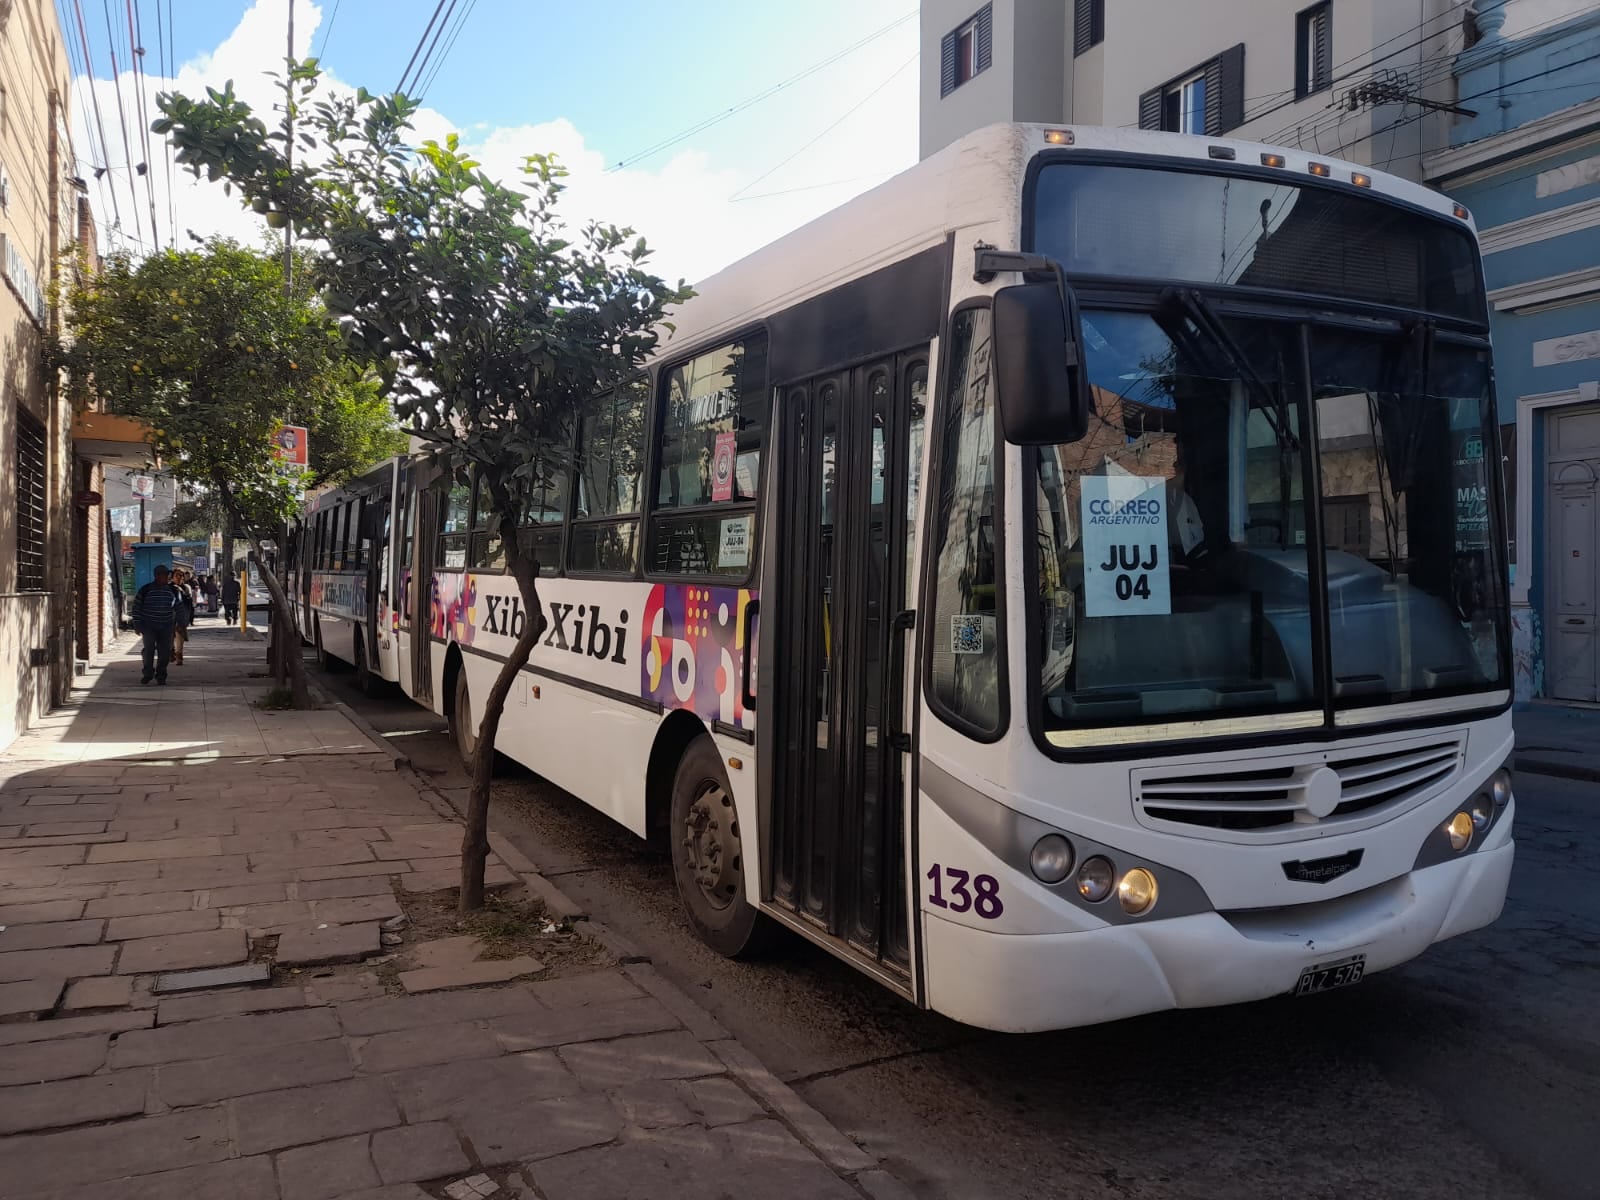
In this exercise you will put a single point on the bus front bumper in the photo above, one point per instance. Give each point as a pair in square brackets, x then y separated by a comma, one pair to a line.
[1026, 982]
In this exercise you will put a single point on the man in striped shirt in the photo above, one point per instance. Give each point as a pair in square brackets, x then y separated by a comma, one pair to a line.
[155, 616]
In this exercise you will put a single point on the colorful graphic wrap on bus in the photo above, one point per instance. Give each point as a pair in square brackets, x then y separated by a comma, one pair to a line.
[694, 646]
[453, 613]
[340, 595]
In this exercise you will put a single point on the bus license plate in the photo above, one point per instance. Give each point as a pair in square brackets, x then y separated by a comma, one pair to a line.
[1324, 978]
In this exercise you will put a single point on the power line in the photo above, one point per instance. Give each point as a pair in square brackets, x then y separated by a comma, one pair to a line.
[840, 120]
[718, 118]
[326, 29]
[406, 74]
[449, 45]
[136, 36]
[94, 95]
[169, 70]
[122, 115]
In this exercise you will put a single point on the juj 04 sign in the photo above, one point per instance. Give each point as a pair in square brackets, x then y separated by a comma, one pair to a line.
[1125, 572]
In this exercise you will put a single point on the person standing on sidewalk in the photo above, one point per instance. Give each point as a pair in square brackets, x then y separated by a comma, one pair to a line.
[180, 630]
[155, 617]
[230, 599]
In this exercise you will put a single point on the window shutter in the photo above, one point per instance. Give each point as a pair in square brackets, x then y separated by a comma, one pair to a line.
[1150, 109]
[985, 40]
[1082, 26]
[947, 65]
[1225, 91]
[1322, 69]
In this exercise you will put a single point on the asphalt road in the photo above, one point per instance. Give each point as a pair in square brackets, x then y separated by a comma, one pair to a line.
[1474, 1071]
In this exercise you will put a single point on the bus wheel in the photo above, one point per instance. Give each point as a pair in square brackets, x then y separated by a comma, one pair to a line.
[461, 724]
[367, 683]
[325, 661]
[708, 855]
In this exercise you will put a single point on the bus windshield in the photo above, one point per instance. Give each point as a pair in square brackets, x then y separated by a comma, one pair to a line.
[1172, 542]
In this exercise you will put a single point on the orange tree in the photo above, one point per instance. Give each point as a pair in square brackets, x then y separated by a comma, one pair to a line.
[209, 349]
[488, 320]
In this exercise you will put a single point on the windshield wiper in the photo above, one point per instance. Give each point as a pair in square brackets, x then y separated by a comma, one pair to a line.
[1203, 317]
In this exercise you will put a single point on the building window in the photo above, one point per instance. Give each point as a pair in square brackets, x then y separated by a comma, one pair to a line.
[1313, 50]
[967, 50]
[1207, 100]
[1088, 24]
[32, 477]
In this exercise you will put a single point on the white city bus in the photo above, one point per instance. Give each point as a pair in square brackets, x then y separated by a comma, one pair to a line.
[1065, 582]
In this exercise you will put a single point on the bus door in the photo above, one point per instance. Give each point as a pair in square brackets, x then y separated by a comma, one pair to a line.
[849, 447]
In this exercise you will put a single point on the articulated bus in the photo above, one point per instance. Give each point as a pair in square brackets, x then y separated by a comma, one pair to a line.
[1066, 582]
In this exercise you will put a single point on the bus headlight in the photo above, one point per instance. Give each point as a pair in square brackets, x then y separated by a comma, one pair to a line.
[1482, 810]
[1096, 878]
[1136, 892]
[1500, 787]
[1051, 858]
[1459, 830]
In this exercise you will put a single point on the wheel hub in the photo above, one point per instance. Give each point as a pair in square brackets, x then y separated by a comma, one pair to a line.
[711, 846]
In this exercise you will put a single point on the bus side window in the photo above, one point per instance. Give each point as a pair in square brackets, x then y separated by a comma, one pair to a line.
[454, 517]
[610, 462]
[541, 528]
[964, 680]
[488, 554]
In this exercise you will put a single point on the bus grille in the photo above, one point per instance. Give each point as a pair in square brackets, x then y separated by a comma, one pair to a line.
[1372, 783]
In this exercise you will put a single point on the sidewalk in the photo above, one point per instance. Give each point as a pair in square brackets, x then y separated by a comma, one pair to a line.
[228, 969]
[1558, 739]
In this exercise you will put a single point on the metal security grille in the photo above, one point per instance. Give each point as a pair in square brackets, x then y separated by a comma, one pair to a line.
[32, 475]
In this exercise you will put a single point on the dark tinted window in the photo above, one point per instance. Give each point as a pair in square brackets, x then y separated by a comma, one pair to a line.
[714, 423]
[1183, 225]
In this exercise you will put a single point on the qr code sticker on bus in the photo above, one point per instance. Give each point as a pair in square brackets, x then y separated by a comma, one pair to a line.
[966, 633]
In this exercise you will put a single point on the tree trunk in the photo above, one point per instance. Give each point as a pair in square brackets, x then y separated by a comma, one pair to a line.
[286, 629]
[475, 837]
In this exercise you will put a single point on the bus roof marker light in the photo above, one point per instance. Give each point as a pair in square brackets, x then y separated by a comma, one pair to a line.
[1274, 160]
[1320, 170]
[1360, 179]
[1059, 137]
[1461, 211]
[1223, 152]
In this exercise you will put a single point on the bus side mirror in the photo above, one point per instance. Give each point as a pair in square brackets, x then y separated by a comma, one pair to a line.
[1039, 366]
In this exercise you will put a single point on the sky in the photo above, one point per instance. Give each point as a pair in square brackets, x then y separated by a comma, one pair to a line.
[598, 83]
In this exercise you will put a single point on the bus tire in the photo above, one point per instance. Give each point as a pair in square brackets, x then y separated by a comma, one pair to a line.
[708, 856]
[367, 683]
[325, 661]
[463, 729]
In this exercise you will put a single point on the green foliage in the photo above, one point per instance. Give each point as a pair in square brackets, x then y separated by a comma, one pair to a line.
[487, 320]
[207, 349]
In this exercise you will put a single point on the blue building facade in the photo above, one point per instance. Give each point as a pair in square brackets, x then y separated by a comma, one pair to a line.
[1528, 166]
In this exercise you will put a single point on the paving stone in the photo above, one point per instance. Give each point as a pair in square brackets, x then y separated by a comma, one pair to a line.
[365, 870]
[411, 1012]
[438, 879]
[73, 1101]
[140, 906]
[326, 856]
[502, 1133]
[101, 991]
[653, 1104]
[193, 920]
[65, 828]
[70, 1027]
[112, 872]
[278, 916]
[446, 952]
[275, 1120]
[223, 1035]
[530, 1031]
[399, 1191]
[227, 1004]
[720, 1101]
[839, 1151]
[675, 1055]
[498, 970]
[417, 1152]
[39, 1061]
[330, 988]
[29, 998]
[673, 1164]
[55, 1161]
[243, 894]
[239, 1179]
[407, 1048]
[332, 889]
[349, 910]
[70, 962]
[327, 1170]
[44, 910]
[42, 856]
[50, 934]
[189, 981]
[181, 951]
[167, 848]
[207, 1080]
[307, 945]
[694, 1018]
[436, 1093]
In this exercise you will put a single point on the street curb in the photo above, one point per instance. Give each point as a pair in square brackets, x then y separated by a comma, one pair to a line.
[397, 758]
[1561, 770]
[831, 1144]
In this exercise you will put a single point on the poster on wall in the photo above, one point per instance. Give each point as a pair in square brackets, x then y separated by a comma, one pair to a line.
[1125, 570]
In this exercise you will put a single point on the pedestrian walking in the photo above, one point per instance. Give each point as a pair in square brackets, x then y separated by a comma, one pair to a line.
[185, 615]
[230, 598]
[211, 595]
[155, 616]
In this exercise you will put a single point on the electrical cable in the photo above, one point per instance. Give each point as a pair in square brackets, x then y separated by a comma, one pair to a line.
[449, 45]
[422, 41]
[136, 37]
[326, 29]
[122, 116]
[94, 95]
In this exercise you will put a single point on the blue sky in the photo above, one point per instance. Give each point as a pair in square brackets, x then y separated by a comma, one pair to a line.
[596, 83]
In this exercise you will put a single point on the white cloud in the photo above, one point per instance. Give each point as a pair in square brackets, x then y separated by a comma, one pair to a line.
[686, 203]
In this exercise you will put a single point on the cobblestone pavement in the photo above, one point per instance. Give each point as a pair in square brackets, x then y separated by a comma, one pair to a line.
[196, 1000]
